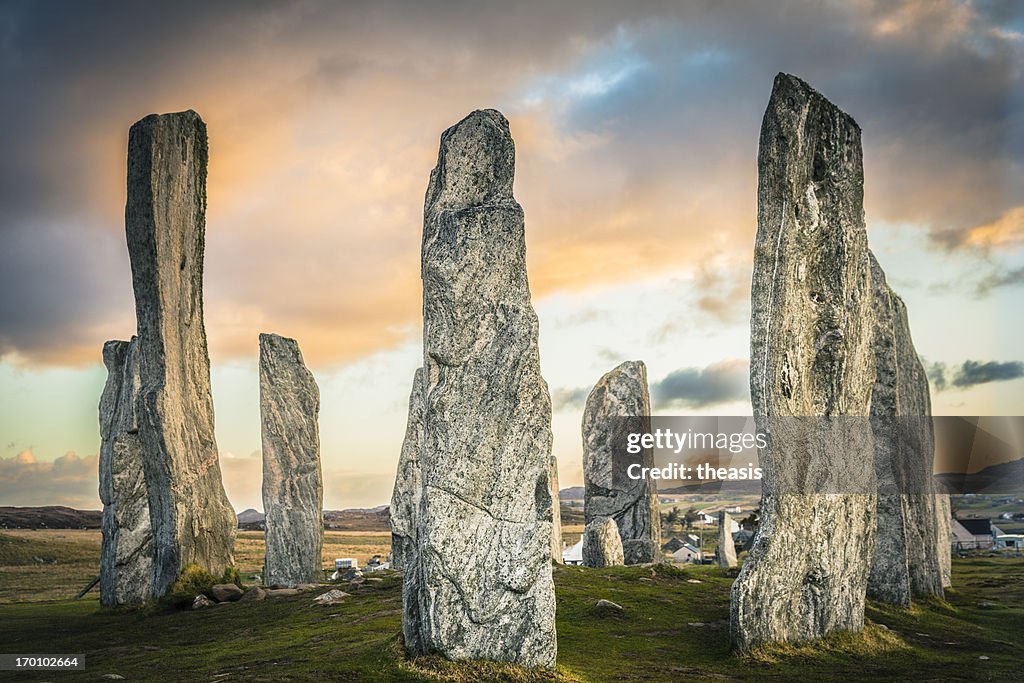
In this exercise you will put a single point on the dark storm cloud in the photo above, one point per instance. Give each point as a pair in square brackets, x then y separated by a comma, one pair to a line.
[637, 129]
[722, 382]
[971, 373]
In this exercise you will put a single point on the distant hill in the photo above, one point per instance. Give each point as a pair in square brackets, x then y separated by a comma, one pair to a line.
[1006, 477]
[571, 493]
[251, 519]
[739, 486]
[354, 519]
[358, 519]
[49, 517]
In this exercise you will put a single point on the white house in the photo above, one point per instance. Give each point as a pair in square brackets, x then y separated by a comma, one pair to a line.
[971, 534]
[573, 555]
[688, 553]
[1003, 541]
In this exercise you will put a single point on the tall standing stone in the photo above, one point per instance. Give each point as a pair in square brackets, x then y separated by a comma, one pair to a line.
[405, 514]
[602, 544]
[484, 534]
[726, 547]
[812, 365]
[632, 503]
[556, 514]
[944, 536]
[405, 497]
[126, 556]
[293, 496]
[905, 563]
[165, 218]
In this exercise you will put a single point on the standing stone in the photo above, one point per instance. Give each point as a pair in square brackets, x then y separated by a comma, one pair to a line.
[405, 498]
[165, 218]
[812, 365]
[556, 514]
[905, 563]
[484, 533]
[602, 544]
[293, 496]
[126, 557]
[944, 534]
[633, 503]
[404, 513]
[726, 548]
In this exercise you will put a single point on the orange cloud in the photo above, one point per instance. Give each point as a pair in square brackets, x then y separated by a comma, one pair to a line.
[1005, 231]
[71, 480]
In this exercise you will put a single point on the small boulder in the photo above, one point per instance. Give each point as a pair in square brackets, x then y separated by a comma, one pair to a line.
[609, 606]
[201, 602]
[331, 597]
[281, 592]
[253, 594]
[226, 592]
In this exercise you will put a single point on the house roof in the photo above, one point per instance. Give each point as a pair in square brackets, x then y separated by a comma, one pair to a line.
[978, 527]
[672, 545]
[690, 550]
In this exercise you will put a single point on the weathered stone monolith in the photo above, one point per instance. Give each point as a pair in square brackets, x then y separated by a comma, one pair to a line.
[405, 514]
[811, 376]
[405, 497]
[126, 556]
[726, 547]
[293, 496]
[165, 219]
[633, 503]
[944, 536]
[905, 563]
[556, 514]
[602, 544]
[483, 557]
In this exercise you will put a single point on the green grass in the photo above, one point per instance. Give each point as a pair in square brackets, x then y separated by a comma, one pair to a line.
[672, 629]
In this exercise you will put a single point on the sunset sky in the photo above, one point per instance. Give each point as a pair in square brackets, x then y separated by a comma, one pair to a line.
[636, 127]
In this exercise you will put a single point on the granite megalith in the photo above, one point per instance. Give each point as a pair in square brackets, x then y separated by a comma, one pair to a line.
[293, 496]
[405, 497]
[726, 547]
[811, 376]
[165, 225]
[906, 562]
[126, 555]
[483, 575]
[944, 537]
[556, 514]
[620, 395]
[602, 544]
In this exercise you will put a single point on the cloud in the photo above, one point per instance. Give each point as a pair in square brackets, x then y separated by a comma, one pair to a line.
[1000, 278]
[69, 480]
[636, 126]
[721, 382]
[971, 373]
[569, 399]
[343, 488]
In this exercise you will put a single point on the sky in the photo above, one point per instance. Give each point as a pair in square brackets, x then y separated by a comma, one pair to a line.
[636, 128]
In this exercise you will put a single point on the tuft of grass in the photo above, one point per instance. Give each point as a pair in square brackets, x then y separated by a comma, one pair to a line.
[232, 575]
[436, 668]
[873, 641]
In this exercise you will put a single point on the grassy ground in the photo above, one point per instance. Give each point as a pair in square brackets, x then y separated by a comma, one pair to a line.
[674, 628]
